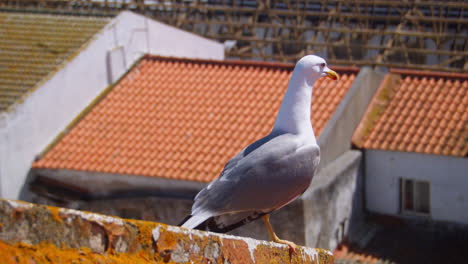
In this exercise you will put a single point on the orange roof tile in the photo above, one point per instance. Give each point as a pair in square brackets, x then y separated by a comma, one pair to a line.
[417, 111]
[349, 255]
[184, 119]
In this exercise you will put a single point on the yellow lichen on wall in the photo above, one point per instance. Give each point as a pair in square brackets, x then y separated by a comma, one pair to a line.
[48, 253]
[41, 234]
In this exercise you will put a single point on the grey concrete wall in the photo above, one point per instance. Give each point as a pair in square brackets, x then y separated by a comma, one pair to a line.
[336, 136]
[447, 176]
[330, 202]
[32, 125]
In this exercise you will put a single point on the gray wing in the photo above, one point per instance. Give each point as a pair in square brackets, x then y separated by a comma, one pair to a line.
[263, 177]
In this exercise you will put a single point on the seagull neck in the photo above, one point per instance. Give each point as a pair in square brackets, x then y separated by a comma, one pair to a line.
[294, 114]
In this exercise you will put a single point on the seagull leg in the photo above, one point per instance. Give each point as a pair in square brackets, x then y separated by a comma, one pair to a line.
[275, 238]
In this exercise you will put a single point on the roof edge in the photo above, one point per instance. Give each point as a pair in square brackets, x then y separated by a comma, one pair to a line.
[375, 109]
[266, 64]
[59, 12]
[419, 73]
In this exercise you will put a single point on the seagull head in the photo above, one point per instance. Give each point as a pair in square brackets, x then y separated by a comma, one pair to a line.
[314, 67]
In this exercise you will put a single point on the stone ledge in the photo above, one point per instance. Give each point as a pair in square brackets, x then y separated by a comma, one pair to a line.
[32, 233]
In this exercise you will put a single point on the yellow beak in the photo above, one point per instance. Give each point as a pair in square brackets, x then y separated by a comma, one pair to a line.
[332, 75]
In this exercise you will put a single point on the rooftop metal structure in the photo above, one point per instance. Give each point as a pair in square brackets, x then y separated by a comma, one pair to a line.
[426, 35]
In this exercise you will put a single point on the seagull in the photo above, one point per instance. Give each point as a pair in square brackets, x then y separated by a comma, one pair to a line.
[271, 172]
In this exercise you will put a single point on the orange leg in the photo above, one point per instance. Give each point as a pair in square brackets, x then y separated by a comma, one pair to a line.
[275, 238]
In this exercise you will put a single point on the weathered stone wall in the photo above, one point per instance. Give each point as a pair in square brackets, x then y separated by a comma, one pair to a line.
[38, 234]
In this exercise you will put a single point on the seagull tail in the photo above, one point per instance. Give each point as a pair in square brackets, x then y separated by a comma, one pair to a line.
[194, 221]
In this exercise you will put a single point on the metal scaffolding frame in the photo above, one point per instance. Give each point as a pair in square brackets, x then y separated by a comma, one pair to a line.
[427, 35]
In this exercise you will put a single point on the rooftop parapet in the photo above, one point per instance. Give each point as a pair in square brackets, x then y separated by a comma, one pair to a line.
[43, 234]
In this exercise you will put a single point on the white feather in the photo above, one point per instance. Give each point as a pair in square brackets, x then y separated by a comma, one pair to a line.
[195, 220]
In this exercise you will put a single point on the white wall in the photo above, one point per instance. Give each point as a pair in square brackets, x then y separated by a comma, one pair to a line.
[31, 126]
[448, 177]
[136, 35]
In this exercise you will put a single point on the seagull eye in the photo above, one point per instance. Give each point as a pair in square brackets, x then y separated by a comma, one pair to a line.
[322, 65]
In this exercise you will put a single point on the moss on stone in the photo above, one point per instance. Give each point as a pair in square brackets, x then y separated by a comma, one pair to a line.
[376, 108]
[36, 46]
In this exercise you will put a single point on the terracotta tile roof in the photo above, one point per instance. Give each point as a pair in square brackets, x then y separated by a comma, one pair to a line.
[32, 46]
[417, 112]
[184, 119]
[349, 255]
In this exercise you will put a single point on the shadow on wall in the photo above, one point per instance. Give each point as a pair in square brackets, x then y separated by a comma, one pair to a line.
[137, 204]
[26, 193]
[357, 230]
